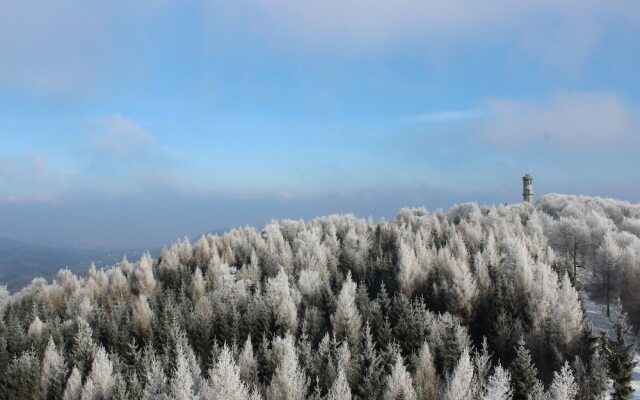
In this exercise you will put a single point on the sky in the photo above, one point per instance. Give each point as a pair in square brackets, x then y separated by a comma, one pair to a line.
[130, 124]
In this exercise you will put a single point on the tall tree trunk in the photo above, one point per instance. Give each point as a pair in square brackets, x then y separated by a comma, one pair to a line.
[575, 267]
[608, 292]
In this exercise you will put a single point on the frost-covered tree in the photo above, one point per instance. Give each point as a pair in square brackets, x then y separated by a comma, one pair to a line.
[142, 314]
[410, 275]
[21, 379]
[340, 389]
[278, 296]
[4, 298]
[371, 364]
[52, 372]
[202, 252]
[462, 384]
[498, 385]
[482, 364]
[73, 388]
[35, 328]
[608, 255]
[399, 384]
[182, 386]
[248, 364]
[346, 320]
[563, 386]
[155, 387]
[426, 377]
[537, 392]
[224, 379]
[100, 382]
[289, 381]
[83, 346]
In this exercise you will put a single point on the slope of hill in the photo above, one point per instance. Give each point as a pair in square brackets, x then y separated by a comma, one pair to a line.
[21, 262]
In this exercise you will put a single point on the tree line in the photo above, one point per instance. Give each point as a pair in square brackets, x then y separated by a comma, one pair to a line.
[475, 303]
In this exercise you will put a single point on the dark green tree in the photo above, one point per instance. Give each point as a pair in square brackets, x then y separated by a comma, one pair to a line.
[621, 362]
[523, 372]
[372, 370]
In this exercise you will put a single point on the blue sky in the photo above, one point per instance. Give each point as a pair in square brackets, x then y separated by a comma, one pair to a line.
[133, 124]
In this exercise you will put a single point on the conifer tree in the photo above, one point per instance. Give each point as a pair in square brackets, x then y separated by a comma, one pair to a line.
[598, 378]
[22, 376]
[340, 389]
[537, 392]
[523, 372]
[182, 385]
[100, 383]
[83, 347]
[621, 361]
[371, 364]
[278, 296]
[426, 377]
[482, 364]
[155, 381]
[563, 386]
[289, 381]
[52, 372]
[462, 384]
[581, 375]
[248, 364]
[224, 379]
[73, 388]
[399, 385]
[498, 385]
[346, 320]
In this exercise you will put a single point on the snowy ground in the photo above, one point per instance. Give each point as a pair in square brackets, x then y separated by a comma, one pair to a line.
[598, 315]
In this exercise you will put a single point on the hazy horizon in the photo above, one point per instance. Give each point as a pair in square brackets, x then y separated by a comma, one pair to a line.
[130, 125]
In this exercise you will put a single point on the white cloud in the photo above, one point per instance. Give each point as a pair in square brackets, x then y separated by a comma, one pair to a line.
[27, 179]
[575, 121]
[118, 158]
[67, 46]
[73, 46]
[121, 136]
[557, 31]
[446, 116]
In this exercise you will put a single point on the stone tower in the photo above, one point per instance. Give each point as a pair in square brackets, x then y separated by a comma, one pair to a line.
[527, 188]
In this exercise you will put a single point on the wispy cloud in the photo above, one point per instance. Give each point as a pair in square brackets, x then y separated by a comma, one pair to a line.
[445, 116]
[116, 157]
[581, 121]
[27, 179]
[122, 136]
[544, 30]
[68, 47]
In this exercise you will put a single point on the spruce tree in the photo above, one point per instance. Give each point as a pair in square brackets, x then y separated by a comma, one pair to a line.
[52, 372]
[340, 389]
[598, 374]
[621, 362]
[426, 376]
[73, 388]
[22, 376]
[371, 364]
[498, 385]
[563, 386]
[399, 385]
[462, 384]
[523, 372]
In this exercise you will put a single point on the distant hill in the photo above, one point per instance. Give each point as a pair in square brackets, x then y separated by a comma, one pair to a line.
[21, 262]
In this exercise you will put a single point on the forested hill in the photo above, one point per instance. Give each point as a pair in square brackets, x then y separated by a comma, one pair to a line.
[476, 303]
